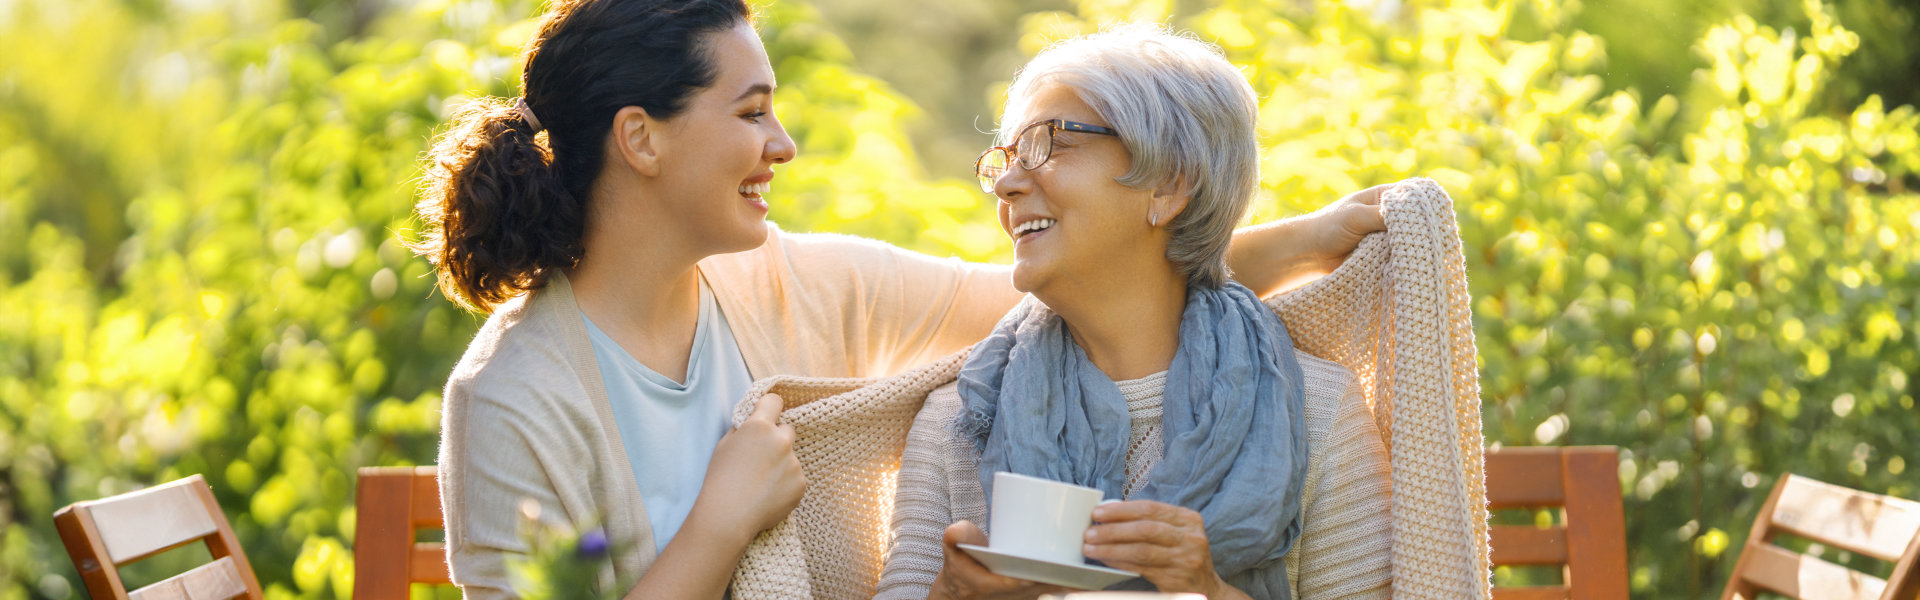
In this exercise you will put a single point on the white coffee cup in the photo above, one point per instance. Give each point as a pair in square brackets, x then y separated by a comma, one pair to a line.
[1040, 518]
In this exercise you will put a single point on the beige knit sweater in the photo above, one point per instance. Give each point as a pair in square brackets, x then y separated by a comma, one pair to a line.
[1344, 547]
[526, 416]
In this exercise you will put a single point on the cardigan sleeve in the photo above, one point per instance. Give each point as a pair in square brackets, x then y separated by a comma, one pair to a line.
[922, 508]
[1345, 546]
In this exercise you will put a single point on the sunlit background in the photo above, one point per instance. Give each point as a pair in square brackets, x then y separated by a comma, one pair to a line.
[1690, 229]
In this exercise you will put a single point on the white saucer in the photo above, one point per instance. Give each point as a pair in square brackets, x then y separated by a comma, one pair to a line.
[1078, 576]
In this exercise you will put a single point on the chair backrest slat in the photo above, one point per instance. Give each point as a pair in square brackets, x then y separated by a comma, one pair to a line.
[428, 564]
[1524, 477]
[1878, 526]
[140, 524]
[1584, 481]
[1808, 578]
[1530, 593]
[1529, 545]
[217, 580]
[391, 504]
[1868, 524]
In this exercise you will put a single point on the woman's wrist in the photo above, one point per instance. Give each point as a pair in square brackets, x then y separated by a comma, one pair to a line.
[704, 522]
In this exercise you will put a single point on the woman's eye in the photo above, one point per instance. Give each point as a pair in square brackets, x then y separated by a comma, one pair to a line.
[754, 117]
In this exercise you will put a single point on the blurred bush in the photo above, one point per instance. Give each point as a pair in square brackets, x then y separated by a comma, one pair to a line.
[201, 204]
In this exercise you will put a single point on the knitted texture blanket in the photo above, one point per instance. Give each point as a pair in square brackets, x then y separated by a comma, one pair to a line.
[1396, 313]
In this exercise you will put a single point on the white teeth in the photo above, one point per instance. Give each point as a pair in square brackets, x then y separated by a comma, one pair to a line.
[1031, 226]
[756, 189]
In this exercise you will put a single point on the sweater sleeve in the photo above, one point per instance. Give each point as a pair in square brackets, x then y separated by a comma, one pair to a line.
[911, 307]
[1345, 546]
[829, 305]
[922, 509]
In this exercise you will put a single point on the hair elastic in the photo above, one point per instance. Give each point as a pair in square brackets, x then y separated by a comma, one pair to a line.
[526, 114]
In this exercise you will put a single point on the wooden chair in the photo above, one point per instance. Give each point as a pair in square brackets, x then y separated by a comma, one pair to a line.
[1882, 527]
[103, 535]
[392, 503]
[1584, 481]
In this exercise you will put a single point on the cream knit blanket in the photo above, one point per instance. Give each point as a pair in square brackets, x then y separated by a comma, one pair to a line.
[1396, 313]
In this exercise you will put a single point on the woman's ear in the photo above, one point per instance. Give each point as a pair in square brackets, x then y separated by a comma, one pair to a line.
[1168, 201]
[635, 141]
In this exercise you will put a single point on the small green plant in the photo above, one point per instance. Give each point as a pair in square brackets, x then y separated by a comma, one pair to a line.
[561, 564]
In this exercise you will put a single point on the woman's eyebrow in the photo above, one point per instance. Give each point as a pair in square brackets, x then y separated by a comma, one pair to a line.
[758, 88]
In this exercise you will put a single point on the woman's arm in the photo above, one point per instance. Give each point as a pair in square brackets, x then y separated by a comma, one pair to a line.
[921, 508]
[894, 308]
[1270, 258]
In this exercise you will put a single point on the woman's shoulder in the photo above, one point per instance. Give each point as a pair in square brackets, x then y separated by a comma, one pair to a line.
[1325, 380]
[521, 356]
[940, 410]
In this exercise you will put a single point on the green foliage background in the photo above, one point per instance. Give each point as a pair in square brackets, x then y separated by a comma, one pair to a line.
[1690, 231]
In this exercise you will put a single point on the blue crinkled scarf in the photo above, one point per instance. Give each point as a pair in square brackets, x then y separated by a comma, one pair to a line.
[1234, 423]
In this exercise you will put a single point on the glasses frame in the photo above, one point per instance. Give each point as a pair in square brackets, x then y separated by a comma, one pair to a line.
[1054, 127]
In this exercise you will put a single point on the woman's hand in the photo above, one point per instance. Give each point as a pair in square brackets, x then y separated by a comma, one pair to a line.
[963, 577]
[1164, 543]
[1336, 229]
[1274, 257]
[754, 479]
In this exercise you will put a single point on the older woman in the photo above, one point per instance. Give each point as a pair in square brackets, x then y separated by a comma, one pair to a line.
[1136, 366]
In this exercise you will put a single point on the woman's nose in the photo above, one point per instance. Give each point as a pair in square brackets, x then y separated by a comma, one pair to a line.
[1014, 182]
[780, 148]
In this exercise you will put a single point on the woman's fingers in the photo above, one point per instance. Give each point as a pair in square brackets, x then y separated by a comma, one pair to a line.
[768, 408]
[1141, 532]
[1365, 219]
[1133, 557]
[1370, 195]
[1135, 510]
[964, 532]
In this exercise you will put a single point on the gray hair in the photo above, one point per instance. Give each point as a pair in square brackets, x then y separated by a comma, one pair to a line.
[1185, 114]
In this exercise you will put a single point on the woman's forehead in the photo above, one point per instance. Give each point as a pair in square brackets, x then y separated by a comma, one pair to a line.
[1051, 101]
[740, 60]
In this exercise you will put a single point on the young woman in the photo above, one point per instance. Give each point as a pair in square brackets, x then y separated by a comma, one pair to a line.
[613, 223]
[1246, 468]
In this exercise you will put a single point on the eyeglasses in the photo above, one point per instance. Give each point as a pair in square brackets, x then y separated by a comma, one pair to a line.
[1033, 146]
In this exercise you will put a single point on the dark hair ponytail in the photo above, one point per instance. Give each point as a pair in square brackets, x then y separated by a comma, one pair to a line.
[506, 206]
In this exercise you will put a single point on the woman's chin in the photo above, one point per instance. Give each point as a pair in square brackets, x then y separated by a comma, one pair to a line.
[746, 237]
[1029, 277]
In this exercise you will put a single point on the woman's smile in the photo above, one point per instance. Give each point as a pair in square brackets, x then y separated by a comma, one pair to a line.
[1031, 230]
[755, 188]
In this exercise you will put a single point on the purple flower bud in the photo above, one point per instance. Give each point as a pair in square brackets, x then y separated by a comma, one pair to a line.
[593, 544]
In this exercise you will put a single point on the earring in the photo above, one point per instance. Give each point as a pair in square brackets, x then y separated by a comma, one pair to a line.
[1153, 218]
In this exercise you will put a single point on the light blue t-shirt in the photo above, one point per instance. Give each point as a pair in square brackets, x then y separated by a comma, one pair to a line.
[670, 429]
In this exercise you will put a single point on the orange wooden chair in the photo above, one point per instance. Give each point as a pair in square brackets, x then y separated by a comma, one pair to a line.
[103, 535]
[391, 504]
[1882, 527]
[1591, 545]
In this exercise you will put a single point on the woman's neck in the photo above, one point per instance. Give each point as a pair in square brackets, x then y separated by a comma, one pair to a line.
[638, 283]
[1129, 327]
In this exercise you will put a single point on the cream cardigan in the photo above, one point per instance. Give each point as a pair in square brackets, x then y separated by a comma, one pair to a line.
[526, 416]
[1344, 550]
